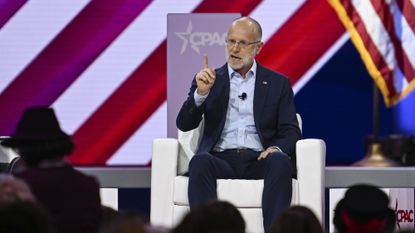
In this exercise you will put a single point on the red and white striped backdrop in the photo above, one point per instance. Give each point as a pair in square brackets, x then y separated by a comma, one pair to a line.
[102, 64]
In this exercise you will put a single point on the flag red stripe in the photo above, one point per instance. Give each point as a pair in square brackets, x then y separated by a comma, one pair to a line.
[8, 9]
[400, 55]
[290, 52]
[66, 57]
[131, 104]
[408, 11]
[377, 57]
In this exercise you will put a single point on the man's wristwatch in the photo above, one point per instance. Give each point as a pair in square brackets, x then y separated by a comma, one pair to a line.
[276, 148]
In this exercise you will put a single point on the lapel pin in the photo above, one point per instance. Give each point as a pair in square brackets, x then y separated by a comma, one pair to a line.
[264, 82]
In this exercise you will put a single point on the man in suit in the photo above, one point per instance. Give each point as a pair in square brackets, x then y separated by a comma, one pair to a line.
[250, 124]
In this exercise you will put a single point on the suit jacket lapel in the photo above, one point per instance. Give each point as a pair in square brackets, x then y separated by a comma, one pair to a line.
[261, 90]
[221, 91]
[223, 82]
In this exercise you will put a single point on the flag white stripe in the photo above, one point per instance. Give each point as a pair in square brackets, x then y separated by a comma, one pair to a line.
[29, 31]
[270, 22]
[376, 30]
[399, 82]
[379, 36]
[116, 63]
[403, 32]
[407, 39]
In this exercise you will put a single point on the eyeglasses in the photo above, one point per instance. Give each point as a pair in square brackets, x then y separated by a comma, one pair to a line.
[243, 44]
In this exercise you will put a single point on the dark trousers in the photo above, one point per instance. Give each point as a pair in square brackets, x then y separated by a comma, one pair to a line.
[205, 168]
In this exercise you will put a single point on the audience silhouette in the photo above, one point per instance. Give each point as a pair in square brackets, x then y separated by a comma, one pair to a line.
[297, 219]
[212, 217]
[19, 211]
[71, 198]
[14, 189]
[364, 209]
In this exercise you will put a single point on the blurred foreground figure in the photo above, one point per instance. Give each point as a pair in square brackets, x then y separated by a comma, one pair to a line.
[213, 217]
[364, 209]
[297, 219]
[71, 198]
[14, 189]
[19, 211]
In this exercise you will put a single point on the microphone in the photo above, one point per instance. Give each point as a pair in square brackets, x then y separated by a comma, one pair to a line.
[243, 96]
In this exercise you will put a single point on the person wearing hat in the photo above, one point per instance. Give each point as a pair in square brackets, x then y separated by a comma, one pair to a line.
[364, 209]
[71, 198]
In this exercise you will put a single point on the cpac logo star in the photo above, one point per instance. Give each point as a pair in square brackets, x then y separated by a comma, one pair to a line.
[197, 39]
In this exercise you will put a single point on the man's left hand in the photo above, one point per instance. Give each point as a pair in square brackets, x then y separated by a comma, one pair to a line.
[268, 151]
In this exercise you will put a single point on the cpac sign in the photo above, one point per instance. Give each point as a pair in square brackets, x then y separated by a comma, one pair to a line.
[403, 215]
[197, 39]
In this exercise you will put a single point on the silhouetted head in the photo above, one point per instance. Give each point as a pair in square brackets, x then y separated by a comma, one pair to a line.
[21, 216]
[297, 219]
[213, 217]
[364, 209]
[39, 137]
[14, 189]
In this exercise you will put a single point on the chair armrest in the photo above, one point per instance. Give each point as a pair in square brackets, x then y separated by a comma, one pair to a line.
[163, 171]
[311, 160]
[7, 154]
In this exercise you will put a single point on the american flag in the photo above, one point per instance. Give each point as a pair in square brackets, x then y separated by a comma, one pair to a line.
[102, 64]
[383, 31]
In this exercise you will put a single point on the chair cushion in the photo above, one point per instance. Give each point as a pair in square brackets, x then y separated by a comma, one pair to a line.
[230, 190]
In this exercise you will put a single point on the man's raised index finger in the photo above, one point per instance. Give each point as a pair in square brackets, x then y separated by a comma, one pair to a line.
[205, 61]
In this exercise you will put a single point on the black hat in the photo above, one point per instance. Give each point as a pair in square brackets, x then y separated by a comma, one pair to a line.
[364, 206]
[37, 124]
[366, 199]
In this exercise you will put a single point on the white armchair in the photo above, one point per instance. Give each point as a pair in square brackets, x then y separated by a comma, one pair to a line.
[169, 202]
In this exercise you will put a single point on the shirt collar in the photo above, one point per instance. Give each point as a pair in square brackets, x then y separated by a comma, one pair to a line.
[232, 72]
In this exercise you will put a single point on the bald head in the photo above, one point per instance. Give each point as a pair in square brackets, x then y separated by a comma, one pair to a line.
[250, 24]
[243, 43]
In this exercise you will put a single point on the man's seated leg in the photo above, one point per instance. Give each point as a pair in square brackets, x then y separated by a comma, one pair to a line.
[204, 169]
[276, 170]
[277, 193]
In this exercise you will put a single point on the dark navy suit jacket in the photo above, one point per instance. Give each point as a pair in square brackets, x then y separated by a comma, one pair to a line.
[274, 111]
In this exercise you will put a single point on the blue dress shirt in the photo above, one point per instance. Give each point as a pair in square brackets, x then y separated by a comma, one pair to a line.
[239, 130]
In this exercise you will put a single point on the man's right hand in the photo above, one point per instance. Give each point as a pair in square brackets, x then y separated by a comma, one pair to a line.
[205, 78]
